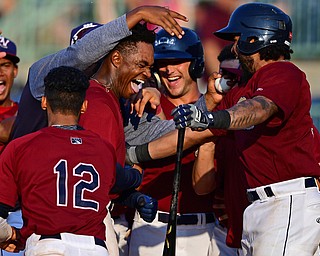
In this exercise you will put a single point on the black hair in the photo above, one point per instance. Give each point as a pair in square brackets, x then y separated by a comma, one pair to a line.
[65, 89]
[140, 33]
[274, 52]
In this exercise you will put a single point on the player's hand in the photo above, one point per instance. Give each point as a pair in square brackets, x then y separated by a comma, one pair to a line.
[146, 95]
[188, 115]
[147, 207]
[157, 15]
[212, 97]
[13, 244]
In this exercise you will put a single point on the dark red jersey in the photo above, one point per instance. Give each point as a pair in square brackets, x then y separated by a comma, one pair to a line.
[62, 179]
[6, 112]
[158, 179]
[103, 116]
[282, 147]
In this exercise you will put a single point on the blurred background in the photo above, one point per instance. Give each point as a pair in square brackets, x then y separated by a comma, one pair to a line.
[42, 27]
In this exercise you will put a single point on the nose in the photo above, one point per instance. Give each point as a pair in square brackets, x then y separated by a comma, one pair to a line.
[147, 72]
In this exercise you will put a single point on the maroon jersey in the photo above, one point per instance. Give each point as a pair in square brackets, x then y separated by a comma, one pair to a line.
[158, 179]
[103, 117]
[6, 112]
[62, 179]
[282, 147]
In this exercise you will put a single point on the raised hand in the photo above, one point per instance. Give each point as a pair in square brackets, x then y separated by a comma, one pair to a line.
[157, 15]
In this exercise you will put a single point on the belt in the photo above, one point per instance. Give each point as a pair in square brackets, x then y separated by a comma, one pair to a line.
[97, 241]
[188, 219]
[253, 195]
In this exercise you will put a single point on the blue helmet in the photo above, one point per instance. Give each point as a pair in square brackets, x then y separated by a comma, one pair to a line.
[189, 47]
[258, 25]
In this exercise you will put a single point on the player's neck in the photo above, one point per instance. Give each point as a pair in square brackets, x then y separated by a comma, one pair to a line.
[59, 119]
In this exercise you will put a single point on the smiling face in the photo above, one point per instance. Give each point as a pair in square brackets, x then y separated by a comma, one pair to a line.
[134, 69]
[175, 77]
[8, 71]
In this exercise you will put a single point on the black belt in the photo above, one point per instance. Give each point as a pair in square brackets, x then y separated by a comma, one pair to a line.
[253, 195]
[97, 241]
[187, 219]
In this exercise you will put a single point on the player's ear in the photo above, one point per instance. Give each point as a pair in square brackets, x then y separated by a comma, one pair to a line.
[84, 106]
[116, 58]
[44, 103]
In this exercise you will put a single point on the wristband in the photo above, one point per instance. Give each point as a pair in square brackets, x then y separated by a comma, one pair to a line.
[221, 120]
[142, 153]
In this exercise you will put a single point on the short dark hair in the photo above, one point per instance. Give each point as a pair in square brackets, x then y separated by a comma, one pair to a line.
[65, 89]
[274, 52]
[140, 33]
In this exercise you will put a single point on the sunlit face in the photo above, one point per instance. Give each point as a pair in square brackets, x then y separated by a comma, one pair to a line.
[175, 77]
[8, 72]
[134, 69]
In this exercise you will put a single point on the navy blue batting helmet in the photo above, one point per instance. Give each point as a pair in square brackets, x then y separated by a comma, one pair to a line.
[188, 48]
[258, 25]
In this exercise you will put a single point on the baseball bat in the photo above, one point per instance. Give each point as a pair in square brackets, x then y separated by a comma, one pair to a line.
[169, 248]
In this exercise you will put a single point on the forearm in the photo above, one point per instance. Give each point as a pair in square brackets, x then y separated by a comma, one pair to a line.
[203, 175]
[167, 144]
[81, 55]
[251, 112]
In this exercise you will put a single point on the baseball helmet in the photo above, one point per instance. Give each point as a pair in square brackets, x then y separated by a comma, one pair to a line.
[258, 25]
[189, 48]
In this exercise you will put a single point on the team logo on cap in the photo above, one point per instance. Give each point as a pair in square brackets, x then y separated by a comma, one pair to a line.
[4, 42]
[165, 40]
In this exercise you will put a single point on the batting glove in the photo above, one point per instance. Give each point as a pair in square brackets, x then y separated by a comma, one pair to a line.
[147, 207]
[188, 115]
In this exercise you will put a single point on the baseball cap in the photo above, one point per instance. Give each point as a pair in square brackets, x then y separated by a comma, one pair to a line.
[80, 31]
[9, 47]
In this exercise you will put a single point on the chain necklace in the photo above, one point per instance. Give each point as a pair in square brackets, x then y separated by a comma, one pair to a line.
[106, 86]
[67, 127]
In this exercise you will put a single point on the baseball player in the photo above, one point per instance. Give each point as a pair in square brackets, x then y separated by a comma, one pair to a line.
[9, 71]
[8, 108]
[83, 55]
[273, 132]
[180, 63]
[59, 185]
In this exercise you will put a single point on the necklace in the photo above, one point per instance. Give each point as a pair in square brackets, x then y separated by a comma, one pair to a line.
[107, 87]
[67, 127]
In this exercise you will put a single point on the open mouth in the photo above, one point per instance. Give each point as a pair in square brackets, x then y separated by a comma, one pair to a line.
[136, 85]
[2, 86]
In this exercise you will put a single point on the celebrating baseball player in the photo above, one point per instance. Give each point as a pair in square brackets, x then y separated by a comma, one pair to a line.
[179, 62]
[273, 132]
[71, 177]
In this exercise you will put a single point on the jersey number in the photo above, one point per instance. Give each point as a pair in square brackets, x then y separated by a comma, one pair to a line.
[79, 188]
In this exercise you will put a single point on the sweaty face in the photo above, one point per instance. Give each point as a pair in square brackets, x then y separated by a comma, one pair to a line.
[134, 70]
[8, 72]
[175, 77]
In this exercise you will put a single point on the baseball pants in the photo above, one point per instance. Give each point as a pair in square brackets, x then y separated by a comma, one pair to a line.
[283, 220]
[67, 245]
[199, 239]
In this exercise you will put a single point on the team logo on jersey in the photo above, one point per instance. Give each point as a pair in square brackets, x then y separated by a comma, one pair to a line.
[318, 220]
[75, 140]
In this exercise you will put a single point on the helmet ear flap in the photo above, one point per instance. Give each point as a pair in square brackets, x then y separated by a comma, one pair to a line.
[196, 68]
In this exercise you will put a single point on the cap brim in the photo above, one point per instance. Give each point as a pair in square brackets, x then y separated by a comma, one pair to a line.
[13, 58]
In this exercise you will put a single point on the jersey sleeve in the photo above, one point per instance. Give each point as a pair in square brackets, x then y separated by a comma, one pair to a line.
[8, 186]
[81, 55]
